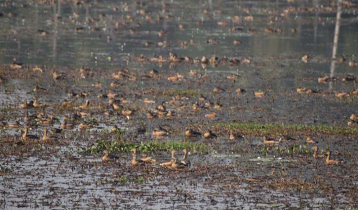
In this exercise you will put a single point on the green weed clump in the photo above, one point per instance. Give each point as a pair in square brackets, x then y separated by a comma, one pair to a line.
[116, 146]
[188, 92]
[281, 129]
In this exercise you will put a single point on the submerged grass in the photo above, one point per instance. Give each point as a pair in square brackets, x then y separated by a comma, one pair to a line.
[188, 92]
[281, 129]
[294, 149]
[116, 146]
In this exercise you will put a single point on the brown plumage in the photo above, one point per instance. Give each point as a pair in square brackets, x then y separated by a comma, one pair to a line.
[315, 151]
[331, 162]
[26, 136]
[270, 141]
[160, 132]
[310, 141]
[108, 157]
[171, 161]
[45, 137]
[184, 161]
[134, 161]
[191, 133]
[209, 134]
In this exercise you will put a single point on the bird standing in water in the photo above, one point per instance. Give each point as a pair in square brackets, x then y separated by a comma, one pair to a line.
[108, 157]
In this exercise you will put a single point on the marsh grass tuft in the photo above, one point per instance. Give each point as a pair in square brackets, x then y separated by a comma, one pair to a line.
[188, 92]
[116, 146]
[124, 179]
[117, 130]
[5, 170]
[93, 120]
[280, 129]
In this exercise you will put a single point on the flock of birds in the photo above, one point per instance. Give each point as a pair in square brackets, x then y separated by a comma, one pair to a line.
[173, 163]
[328, 161]
[160, 110]
[157, 132]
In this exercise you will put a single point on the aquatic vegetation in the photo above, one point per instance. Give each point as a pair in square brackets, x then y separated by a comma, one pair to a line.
[277, 129]
[5, 170]
[115, 130]
[181, 92]
[123, 179]
[153, 146]
[93, 120]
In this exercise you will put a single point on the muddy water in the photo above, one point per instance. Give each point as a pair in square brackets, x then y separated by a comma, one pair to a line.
[243, 173]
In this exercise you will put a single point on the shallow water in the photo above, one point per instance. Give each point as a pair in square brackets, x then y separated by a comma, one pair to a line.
[243, 173]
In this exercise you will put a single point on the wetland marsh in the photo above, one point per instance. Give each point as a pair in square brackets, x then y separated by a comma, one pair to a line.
[258, 92]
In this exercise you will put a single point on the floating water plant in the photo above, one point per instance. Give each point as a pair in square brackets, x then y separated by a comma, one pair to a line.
[248, 128]
[116, 146]
[188, 92]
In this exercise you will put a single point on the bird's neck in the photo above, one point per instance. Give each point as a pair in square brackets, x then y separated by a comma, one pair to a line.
[328, 157]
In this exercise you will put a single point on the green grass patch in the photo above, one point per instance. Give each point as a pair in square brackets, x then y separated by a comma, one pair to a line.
[116, 146]
[188, 92]
[294, 149]
[125, 179]
[118, 131]
[280, 129]
[93, 120]
[5, 170]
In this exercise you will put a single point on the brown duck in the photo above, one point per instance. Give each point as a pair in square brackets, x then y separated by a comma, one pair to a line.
[170, 162]
[331, 162]
[209, 134]
[108, 157]
[26, 136]
[315, 151]
[184, 161]
[134, 161]
[191, 133]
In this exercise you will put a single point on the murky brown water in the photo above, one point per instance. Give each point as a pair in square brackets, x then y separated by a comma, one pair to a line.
[107, 36]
